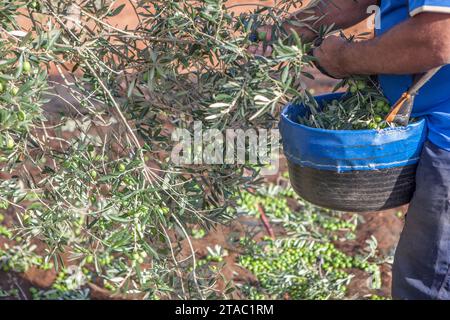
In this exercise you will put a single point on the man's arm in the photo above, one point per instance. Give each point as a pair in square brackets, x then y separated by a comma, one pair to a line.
[414, 46]
[341, 13]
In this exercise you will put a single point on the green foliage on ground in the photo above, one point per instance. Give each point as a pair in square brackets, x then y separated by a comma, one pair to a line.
[306, 263]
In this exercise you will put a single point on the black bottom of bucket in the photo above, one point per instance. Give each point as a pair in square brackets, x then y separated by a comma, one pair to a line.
[355, 191]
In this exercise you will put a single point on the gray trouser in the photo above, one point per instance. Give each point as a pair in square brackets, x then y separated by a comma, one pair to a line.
[422, 259]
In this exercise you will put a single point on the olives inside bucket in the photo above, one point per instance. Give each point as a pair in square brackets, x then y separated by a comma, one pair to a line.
[351, 170]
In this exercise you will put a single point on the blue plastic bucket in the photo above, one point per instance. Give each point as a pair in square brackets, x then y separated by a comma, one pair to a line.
[351, 170]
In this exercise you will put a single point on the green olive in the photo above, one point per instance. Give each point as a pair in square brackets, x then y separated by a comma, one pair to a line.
[26, 67]
[262, 35]
[378, 119]
[386, 108]
[361, 85]
[14, 91]
[353, 89]
[34, 4]
[93, 174]
[380, 104]
[2, 87]
[122, 167]
[10, 143]
[21, 115]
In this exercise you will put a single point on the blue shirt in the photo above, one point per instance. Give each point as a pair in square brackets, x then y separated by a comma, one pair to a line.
[433, 100]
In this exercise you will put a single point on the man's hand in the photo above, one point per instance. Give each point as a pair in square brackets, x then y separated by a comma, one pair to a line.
[261, 49]
[265, 35]
[327, 55]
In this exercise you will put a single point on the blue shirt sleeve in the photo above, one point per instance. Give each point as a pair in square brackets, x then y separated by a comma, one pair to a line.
[419, 6]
